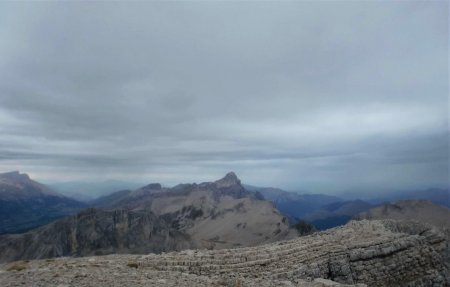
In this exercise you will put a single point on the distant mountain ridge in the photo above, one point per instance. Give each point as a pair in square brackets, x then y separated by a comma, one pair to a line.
[293, 204]
[336, 213]
[209, 215]
[320, 210]
[140, 198]
[324, 211]
[423, 211]
[215, 214]
[26, 204]
[15, 185]
[436, 195]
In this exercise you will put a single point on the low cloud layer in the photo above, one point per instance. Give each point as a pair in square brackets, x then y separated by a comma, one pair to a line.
[324, 97]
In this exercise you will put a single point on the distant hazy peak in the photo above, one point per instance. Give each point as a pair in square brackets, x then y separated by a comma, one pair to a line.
[153, 186]
[230, 179]
[14, 175]
[24, 186]
[409, 204]
[414, 202]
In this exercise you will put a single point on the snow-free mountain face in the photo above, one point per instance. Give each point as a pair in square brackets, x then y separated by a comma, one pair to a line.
[216, 214]
[26, 204]
[18, 186]
[95, 232]
[211, 215]
[420, 210]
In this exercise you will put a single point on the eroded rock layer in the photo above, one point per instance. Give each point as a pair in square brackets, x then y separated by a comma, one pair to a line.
[375, 253]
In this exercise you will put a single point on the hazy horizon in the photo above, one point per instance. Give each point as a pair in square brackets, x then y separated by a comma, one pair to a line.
[324, 97]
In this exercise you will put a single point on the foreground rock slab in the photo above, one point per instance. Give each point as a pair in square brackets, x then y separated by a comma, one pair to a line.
[119, 270]
[374, 253]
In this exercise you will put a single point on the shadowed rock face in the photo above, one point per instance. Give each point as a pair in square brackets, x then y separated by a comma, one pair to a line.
[19, 186]
[15, 176]
[26, 204]
[95, 232]
[376, 253]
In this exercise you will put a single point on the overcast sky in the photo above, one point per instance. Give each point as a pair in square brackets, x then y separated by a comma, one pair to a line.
[317, 96]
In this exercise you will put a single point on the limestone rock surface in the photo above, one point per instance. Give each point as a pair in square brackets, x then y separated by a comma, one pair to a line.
[372, 253]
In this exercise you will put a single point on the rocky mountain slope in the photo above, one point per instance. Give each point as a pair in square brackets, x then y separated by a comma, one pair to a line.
[220, 214]
[95, 232]
[212, 215]
[419, 210]
[376, 253]
[26, 204]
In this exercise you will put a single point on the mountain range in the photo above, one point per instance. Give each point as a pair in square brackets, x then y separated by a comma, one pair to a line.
[325, 211]
[209, 215]
[196, 228]
[26, 204]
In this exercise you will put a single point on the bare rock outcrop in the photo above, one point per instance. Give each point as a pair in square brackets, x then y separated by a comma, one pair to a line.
[121, 270]
[95, 232]
[376, 253]
[372, 253]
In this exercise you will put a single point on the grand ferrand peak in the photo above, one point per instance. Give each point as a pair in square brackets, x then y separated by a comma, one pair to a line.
[229, 180]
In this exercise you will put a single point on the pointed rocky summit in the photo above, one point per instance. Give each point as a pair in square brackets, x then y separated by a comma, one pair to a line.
[15, 175]
[229, 180]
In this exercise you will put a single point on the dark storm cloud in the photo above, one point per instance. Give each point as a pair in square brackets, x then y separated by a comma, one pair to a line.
[323, 96]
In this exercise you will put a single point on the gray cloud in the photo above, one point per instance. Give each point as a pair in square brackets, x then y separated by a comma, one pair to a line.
[324, 96]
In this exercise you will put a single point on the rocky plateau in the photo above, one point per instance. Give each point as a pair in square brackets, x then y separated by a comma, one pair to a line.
[361, 253]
